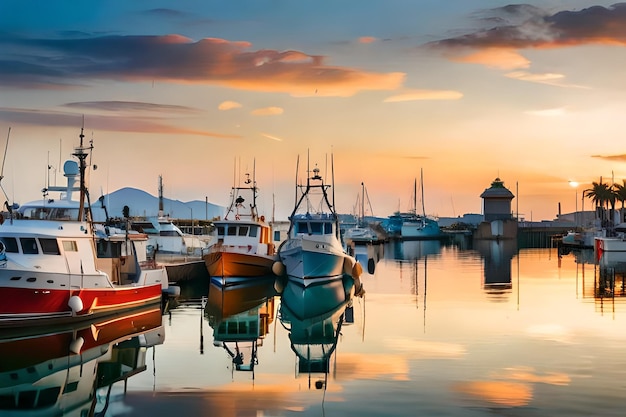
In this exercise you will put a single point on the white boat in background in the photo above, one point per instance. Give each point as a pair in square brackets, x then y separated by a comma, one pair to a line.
[362, 233]
[57, 266]
[582, 238]
[419, 226]
[167, 239]
[313, 252]
[244, 246]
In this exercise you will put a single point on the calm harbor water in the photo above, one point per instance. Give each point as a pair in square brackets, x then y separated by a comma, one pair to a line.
[442, 330]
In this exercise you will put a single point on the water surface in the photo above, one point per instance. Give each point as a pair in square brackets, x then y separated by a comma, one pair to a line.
[442, 330]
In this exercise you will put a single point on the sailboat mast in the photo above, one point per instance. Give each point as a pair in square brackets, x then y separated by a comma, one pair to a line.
[362, 203]
[415, 195]
[422, 187]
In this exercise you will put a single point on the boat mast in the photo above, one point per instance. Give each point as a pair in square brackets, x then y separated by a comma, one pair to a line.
[254, 210]
[362, 204]
[6, 147]
[81, 155]
[160, 214]
[414, 195]
[422, 186]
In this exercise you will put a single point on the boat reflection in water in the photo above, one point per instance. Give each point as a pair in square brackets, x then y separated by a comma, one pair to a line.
[410, 250]
[313, 316]
[368, 254]
[240, 316]
[59, 370]
[609, 284]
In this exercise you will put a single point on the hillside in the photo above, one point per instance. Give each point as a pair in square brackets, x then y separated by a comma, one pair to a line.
[142, 203]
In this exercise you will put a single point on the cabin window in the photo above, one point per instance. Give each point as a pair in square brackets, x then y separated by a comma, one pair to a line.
[328, 228]
[302, 227]
[26, 399]
[316, 228]
[220, 230]
[254, 231]
[276, 235]
[243, 231]
[168, 233]
[232, 230]
[70, 246]
[10, 244]
[7, 401]
[71, 387]
[29, 246]
[63, 214]
[49, 246]
[48, 397]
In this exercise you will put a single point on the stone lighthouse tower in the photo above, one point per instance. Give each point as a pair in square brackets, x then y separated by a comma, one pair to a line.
[499, 222]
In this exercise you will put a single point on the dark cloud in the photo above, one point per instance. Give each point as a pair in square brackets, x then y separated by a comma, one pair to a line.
[114, 106]
[99, 122]
[173, 58]
[524, 26]
[163, 12]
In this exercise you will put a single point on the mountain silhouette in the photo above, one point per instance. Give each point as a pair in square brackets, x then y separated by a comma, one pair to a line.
[143, 204]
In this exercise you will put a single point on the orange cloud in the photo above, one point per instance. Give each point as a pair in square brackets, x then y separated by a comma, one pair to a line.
[499, 58]
[414, 95]
[103, 123]
[276, 138]
[267, 111]
[177, 59]
[229, 105]
[367, 39]
[517, 27]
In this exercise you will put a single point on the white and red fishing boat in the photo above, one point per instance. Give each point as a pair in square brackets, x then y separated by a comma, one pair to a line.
[244, 247]
[57, 266]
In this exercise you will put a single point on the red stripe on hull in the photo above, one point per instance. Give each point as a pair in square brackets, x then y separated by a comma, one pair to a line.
[26, 350]
[25, 301]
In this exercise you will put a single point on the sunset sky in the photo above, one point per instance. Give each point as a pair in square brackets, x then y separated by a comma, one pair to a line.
[466, 90]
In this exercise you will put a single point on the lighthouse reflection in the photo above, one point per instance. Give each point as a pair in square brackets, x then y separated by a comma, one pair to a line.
[497, 256]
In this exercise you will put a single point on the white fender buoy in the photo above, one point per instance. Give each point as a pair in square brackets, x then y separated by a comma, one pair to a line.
[76, 345]
[278, 268]
[75, 304]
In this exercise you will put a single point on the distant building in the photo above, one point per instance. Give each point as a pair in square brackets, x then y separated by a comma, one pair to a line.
[499, 222]
[497, 202]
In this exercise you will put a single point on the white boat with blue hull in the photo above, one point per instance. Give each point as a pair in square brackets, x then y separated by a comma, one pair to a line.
[313, 252]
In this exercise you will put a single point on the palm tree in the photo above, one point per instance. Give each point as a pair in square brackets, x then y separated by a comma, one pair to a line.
[600, 194]
[620, 193]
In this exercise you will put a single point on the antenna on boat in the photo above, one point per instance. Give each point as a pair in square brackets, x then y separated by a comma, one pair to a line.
[254, 213]
[8, 206]
[82, 155]
[332, 170]
[6, 147]
[297, 168]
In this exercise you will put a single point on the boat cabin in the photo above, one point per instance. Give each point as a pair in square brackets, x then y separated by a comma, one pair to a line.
[243, 233]
[322, 224]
